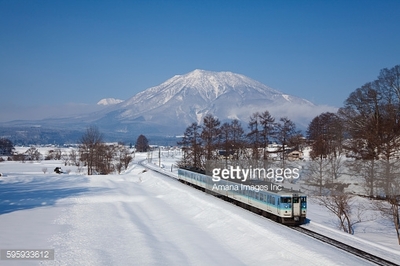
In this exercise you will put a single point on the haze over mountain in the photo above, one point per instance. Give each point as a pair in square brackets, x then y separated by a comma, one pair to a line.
[167, 109]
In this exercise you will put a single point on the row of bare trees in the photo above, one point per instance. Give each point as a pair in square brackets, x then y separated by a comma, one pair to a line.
[99, 157]
[215, 141]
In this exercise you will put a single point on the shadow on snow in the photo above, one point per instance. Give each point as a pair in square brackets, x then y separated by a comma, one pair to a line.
[40, 192]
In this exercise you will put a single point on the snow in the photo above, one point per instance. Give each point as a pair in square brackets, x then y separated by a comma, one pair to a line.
[203, 86]
[109, 101]
[145, 218]
[286, 97]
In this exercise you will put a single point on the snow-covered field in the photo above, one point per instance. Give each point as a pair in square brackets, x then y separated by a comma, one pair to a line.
[144, 218]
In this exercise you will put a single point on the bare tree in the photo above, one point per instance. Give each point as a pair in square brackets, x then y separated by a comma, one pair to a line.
[342, 205]
[104, 162]
[237, 136]
[325, 135]
[389, 208]
[192, 147]
[123, 158]
[267, 132]
[325, 132]
[65, 158]
[367, 170]
[33, 154]
[286, 130]
[57, 154]
[372, 118]
[231, 140]
[253, 137]
[317, 178]
[73, 156]
[210, 135]
[89, 148]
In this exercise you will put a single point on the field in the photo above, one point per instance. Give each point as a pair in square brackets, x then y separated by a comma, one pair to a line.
[140, 217]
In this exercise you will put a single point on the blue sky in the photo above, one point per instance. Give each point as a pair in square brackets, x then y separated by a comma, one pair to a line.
[63, 52]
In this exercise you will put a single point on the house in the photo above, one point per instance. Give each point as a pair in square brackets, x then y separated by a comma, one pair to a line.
[295, 156]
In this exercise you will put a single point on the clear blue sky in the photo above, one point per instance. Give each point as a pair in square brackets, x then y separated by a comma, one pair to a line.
[83, 51]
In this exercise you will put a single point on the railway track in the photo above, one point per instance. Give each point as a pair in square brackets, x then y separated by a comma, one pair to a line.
[355, 251]
[352, 250]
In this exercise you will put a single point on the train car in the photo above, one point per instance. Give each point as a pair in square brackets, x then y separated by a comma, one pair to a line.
[270, 200]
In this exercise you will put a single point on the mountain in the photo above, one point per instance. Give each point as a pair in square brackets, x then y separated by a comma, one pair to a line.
[109, 101]
[183, 99]
[167, 109]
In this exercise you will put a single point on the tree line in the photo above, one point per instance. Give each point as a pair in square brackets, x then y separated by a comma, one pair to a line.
[93, 153]
[101, 158]
[213, 140]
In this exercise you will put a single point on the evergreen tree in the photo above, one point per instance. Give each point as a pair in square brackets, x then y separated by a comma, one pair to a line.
[142, 144]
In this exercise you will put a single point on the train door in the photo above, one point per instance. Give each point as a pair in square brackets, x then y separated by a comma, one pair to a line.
[296, 206]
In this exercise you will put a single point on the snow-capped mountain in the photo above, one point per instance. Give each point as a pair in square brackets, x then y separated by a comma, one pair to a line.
[109, 101]
[167, 109]
[183, 99]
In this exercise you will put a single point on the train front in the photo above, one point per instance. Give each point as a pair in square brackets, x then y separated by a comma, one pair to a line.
[293, 208]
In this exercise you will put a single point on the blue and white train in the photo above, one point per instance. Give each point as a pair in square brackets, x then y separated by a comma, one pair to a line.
[267, 199]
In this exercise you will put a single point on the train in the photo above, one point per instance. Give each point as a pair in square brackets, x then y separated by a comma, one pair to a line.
[268, 199]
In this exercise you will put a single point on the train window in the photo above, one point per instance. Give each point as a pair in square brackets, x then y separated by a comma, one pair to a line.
[295, 200]
[303, 199]
[286, 200]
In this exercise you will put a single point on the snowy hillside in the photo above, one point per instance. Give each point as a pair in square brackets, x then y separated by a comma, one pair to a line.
[185, 99]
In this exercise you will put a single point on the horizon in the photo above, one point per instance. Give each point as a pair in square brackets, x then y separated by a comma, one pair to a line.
[70, 55]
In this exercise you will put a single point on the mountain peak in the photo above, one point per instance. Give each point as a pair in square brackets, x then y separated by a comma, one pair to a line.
[212, 84]
[109, 101]
[187, 98]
